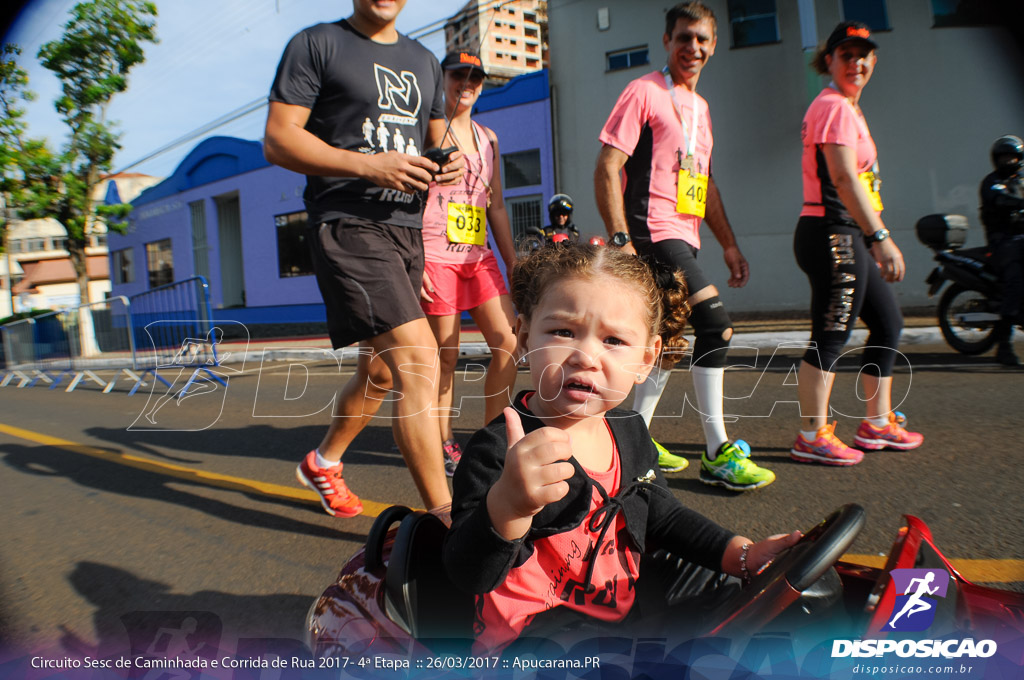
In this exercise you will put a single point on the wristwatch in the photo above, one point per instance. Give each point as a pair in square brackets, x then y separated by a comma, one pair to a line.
[877, 237]
[619, 239]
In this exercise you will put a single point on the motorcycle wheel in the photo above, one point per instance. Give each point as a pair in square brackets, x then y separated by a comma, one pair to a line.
[967, 337]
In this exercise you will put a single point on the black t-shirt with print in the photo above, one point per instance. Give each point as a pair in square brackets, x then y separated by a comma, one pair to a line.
[363, 96]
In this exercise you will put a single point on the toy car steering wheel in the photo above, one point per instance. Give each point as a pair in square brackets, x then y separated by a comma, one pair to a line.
[791, 572]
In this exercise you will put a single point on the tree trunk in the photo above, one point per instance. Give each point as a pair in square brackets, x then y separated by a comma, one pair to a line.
[76, 251]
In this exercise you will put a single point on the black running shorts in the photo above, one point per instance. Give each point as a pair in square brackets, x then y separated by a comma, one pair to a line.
[679, 254]
[369, 275]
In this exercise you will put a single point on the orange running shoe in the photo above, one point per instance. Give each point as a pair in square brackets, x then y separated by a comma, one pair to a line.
[892, 436]
[334, 494]
[826, 448]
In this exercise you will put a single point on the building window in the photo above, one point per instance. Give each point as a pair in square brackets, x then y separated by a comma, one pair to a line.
[628, 58]
[532, 63]
[524, 212]
[124, 265]
[957, 13]
[753, 22]
[530, 32]
[159, 263]
[530, 16]
[511, 10]
[871, 12]
[521, 169]
[293, 255]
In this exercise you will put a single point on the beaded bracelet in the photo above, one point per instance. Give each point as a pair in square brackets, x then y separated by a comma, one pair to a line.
[744, 571]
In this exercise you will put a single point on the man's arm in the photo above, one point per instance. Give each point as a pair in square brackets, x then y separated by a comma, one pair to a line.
[714, 215]
[608, 191]
[287, 143]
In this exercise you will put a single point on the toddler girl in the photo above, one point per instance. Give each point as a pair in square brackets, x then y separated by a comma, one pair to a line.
[556, 502]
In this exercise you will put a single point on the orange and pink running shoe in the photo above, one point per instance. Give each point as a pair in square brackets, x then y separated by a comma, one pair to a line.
[327, 482]
[826, 448]
[892, 436]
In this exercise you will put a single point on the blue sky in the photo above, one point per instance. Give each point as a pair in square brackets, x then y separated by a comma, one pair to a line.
[214, 56]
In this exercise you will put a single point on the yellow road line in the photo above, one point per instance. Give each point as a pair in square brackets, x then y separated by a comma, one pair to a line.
[981, 571]
[268, 489]
[978, 571]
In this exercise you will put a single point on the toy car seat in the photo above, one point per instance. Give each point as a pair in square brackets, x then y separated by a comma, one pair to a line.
[418, 593]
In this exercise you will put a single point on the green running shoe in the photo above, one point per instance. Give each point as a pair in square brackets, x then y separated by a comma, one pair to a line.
[667, 461]
[733, 469]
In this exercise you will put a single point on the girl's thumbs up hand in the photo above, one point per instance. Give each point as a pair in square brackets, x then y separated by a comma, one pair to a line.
[536, 469]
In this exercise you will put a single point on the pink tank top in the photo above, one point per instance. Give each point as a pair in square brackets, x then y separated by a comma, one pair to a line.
[471, 191]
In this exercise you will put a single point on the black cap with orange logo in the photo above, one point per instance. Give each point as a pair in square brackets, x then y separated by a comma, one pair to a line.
[457, 60]
[848, 31]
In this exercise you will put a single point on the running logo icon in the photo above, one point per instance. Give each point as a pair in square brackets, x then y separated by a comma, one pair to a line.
[915, 592]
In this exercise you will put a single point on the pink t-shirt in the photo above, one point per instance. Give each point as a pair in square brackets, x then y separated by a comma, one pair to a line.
[554, 574]
[472, 190]
[831, 119]
[645, 125]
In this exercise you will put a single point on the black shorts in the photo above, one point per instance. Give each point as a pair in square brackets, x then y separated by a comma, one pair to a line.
[369, 275]
[679, 254]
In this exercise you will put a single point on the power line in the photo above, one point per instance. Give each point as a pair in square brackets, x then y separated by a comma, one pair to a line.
[257, 104]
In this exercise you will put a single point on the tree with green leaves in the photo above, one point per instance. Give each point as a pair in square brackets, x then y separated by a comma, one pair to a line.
[23, 161]
[101, 43]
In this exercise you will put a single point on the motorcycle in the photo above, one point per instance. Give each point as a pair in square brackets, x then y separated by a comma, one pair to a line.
[969, 308]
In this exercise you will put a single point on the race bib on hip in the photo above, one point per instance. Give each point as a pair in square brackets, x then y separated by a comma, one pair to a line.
[467, 224]
[692, 193]
[873, 185]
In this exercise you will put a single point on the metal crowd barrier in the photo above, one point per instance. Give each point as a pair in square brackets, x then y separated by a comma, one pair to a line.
[172, 323]
[165, 328]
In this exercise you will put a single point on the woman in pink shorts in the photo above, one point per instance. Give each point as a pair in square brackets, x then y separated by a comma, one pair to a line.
[461, 272]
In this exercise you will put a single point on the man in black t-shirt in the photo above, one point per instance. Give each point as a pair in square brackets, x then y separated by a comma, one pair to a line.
[352, 106]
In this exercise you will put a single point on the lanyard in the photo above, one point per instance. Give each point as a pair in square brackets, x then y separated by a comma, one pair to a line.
[689, 139]
[480, 152]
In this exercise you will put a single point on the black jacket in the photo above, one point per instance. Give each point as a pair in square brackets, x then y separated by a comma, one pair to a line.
[478, 559]
[1002, 200]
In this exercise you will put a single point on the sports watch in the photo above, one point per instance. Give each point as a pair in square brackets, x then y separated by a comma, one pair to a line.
[619, 239]
[877, 237]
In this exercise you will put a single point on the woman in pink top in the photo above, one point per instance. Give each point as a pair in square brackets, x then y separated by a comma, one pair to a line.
[848, 256]
[461, 273]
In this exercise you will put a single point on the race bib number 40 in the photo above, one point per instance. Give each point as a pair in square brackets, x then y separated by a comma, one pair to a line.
[467, 224]
[692, 193]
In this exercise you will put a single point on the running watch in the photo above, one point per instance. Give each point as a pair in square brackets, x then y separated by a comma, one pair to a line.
[877, 237]
[619, 239]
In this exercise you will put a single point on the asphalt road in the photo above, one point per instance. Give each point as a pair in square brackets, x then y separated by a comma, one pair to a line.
[195, 508]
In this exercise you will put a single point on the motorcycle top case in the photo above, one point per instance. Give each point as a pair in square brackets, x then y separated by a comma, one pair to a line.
[942, 232]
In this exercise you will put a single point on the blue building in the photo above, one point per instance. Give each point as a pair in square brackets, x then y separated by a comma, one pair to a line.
[230, 216]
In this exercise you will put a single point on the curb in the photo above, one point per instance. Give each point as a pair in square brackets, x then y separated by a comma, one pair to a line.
[759, 341]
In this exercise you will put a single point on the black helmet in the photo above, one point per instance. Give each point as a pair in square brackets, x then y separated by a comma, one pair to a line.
[1004, 150]
[560, 204]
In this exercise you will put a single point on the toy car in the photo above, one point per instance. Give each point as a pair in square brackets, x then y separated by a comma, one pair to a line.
[394, 597]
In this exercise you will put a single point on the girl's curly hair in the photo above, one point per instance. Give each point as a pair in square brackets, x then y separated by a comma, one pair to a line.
[661, 286]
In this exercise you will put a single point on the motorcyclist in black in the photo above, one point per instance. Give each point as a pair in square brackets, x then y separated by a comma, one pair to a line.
[1002, 213]
[560, 218]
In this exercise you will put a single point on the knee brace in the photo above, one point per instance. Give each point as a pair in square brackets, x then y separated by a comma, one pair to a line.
[713, 330]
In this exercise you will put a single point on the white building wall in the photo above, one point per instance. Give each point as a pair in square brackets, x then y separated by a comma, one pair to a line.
[938, 99]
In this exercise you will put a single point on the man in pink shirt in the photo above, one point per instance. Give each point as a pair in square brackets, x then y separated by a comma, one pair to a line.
[659, 136]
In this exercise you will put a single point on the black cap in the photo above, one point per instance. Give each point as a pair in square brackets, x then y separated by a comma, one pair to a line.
[457, 60]
[848, 31]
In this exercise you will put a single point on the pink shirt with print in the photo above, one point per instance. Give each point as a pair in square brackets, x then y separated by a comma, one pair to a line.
[646, 104]
[472, 190]
[553, 575]
[831, 119]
